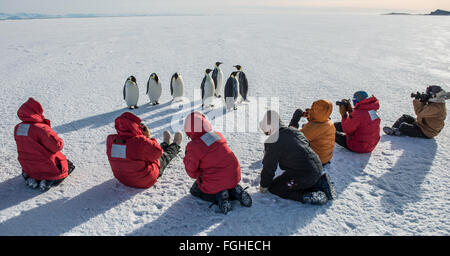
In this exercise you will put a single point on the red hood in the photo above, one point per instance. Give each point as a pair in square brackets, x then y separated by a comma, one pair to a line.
[128, 125]
[196, 125]
[31, 112]
[368, 104]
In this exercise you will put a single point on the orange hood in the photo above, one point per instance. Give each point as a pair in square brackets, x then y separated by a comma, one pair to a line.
[320, 111]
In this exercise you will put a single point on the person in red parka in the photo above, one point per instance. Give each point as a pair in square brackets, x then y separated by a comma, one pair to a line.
[136, 159]
[210, 161]
[39, 148]
[359, 130]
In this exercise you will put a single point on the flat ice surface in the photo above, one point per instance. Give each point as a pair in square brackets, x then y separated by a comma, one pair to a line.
[76, 68]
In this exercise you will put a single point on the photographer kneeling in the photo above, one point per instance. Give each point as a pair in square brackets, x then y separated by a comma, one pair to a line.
[359, 130]
[431, 112]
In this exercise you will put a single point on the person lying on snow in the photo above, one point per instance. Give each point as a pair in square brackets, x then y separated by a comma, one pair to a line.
[359, 130]
[319, 130]
[210, 161]
[39, 148]
[431, 113]
[303, 179]
[136, 159]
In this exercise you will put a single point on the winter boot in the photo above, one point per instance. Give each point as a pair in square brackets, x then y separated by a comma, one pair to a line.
[223, 200]
[45, 185]
[32, 183]
[392, 131]
[25, 176]
[241, 195]
[167, 137]
[325, 185]
[317, 198]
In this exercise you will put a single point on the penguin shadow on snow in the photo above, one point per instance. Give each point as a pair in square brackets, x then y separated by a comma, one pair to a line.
[402, 183]
[186, 217]
[102, 119]
[174, 118]
[14, 191]
[176, 112]
[62, 215]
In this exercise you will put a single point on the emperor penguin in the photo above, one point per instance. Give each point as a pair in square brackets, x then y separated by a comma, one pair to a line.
[231, 91]
[217, 76]
[131, 92]
[176, 86]
[243, 83]
[154, 89]
[208, 89]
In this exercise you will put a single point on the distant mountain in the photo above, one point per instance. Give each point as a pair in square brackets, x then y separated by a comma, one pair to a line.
[397, 13]
[28, 16]
[437, 12]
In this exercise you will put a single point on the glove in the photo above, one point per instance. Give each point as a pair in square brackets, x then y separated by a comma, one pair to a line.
[349, 107]
[47, 122]
[263, 189]
[146, 131]
[296, 118]
[418, 96]
[343, 110]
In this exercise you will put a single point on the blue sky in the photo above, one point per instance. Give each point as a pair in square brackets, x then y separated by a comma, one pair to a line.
[217, 6]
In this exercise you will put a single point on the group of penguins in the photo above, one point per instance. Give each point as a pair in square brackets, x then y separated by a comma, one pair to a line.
[236, 88]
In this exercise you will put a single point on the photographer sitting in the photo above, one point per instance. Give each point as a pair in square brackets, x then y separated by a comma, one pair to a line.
[319, 130]
[359, 130]
[431, 112]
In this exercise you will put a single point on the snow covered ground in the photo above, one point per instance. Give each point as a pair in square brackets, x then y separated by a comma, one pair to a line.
[76, 68]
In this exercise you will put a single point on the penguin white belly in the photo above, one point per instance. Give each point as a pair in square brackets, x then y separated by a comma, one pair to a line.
[178, 88]
[132, 94]
[239, 97]
[208, 92]
[219, 83]
[154, 91]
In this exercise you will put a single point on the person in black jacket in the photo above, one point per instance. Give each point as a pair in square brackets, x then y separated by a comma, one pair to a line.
[302, 179]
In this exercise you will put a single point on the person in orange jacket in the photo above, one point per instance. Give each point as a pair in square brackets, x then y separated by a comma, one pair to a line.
[319, 130]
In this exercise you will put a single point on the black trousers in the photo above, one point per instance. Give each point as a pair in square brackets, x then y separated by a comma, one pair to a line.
[408, 126]
[195, 191]
[69, 171]
[287, 187]
[170, 151]
[340, 137]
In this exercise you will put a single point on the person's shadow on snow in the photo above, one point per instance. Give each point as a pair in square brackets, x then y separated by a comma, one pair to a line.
[186, 217]
[346, 167]
[402, 184]
[60, 216]
[14, 191]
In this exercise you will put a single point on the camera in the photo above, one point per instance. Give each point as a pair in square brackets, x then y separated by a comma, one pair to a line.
[423, 97]
[343, 103]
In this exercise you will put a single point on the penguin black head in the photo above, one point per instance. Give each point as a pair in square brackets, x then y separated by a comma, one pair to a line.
[154, 76]
[207, 71]
[132, 78]
[176, 75]
[238, 67]
[233, 74]
[218, 63]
